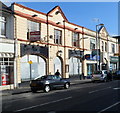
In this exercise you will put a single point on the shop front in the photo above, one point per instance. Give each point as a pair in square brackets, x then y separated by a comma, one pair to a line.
[114, 63]
[33, 61]
[75, 62]
[6, 63]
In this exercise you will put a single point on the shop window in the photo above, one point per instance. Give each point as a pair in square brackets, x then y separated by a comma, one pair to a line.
[2, 26]
[92, 43]
[6, 71]
[75, 39]
[57, 36]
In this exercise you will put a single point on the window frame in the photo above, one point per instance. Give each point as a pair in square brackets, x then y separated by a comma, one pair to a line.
[91, 40]
[102, 46]
[76, 42]
[58, 38]
[3, 22]
[30, 28]
[113, 48]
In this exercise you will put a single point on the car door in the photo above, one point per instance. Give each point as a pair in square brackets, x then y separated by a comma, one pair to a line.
[57, 81]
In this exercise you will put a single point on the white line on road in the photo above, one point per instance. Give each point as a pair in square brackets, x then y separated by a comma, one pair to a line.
[116, 88]
[43, 104]
[109, 107]
[99, 90]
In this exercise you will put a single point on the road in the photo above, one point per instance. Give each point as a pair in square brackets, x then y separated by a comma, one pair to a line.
[88, 97]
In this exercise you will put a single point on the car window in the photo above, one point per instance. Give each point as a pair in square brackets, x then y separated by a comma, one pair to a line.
[118, 72]
[105, 72]
[57, 77]
[50, 77]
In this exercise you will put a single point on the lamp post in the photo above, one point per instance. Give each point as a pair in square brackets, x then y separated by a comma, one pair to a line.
[98, 52]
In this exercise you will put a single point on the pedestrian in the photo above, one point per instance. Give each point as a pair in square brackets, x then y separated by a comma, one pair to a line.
[83, 76]
[57, 73]
[109, 76]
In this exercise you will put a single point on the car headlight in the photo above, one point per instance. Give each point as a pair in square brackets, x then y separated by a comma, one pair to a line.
[47, 82]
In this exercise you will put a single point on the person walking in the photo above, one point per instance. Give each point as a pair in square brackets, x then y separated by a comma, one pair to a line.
[57, 73]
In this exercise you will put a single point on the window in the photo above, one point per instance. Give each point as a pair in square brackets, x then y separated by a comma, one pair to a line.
[57, 36]
[102, 46]
[92, 43]
[33, 27]
[113, 48]
[2, 26]
[75, 39]
[106, 46]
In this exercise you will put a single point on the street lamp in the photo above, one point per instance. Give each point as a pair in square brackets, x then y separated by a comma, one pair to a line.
[98, 52]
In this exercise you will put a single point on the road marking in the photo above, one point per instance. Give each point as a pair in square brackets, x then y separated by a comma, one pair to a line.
[109, 107]
[99, 90]
[116, 88]
[43, 104]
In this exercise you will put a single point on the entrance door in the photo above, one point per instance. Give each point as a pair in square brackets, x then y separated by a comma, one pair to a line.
[75, 67]
[57, 65]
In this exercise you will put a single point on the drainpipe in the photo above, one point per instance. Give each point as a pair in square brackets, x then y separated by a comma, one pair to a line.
[15, 54]
[64, 67]
[47, 71]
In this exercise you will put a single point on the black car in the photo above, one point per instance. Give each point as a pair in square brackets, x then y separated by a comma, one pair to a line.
[116, 75]
[49, 82]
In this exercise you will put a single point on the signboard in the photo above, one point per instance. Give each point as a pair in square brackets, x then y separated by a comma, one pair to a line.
[75, 53]
[91, 57]
[113, 59]
[34, 36]
[33, 49]
[95, 52]
[30, 62]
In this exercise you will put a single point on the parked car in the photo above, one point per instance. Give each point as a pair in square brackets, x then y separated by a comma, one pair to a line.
[99, 76]
[116, 75]
[49, 82]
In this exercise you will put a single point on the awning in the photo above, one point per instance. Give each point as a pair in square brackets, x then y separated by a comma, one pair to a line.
[6, 55]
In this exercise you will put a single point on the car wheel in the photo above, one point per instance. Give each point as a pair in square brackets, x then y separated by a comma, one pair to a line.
[105, 80]
[47, 88]
[67, 85]
[33, 90]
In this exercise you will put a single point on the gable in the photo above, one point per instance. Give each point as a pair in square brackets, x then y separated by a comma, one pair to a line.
[103, 32]
[57, 14]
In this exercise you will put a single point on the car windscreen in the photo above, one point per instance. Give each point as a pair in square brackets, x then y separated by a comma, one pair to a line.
[98, 72]
[42, 78]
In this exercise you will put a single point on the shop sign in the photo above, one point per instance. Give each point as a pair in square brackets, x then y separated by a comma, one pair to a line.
[95, 52]
[75, 53]
[35, 36]
[34, 49]
[91, 57]
[113, 59]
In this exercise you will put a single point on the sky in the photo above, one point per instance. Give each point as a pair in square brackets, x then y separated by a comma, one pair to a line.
[85, 14]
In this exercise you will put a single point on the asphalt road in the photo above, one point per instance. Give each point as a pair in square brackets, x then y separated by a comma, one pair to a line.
[88, 97]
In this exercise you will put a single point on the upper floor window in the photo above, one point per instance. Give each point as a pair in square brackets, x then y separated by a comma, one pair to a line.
[113, 48]
[75, 39]
[57, 36]
[106, 46]
[92, 43]
[33, 30]
[102, 46]
[2, 26]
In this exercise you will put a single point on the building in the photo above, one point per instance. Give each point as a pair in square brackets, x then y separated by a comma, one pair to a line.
[7, 47]
[118, 54]
[47, 42]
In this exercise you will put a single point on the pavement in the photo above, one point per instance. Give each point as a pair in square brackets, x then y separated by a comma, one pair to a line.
[25, 88]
